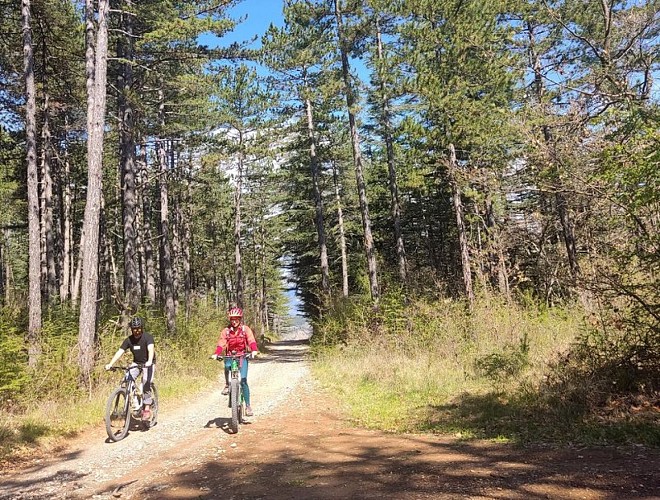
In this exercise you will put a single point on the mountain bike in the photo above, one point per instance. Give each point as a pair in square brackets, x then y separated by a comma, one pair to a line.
[236, 397]
[125, 405]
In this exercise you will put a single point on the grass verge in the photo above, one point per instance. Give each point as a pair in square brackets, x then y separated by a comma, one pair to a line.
[478, 376]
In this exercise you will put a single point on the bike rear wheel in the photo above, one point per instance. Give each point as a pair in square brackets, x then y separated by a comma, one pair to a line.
[117, 414]
[235, 397]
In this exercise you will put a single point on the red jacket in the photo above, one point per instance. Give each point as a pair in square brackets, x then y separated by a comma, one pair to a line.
[238, 340]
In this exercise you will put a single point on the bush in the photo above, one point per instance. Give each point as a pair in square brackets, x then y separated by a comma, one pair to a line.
[507, 362]
[13, 359]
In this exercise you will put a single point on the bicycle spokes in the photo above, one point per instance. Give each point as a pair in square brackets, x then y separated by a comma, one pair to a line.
[119, 412]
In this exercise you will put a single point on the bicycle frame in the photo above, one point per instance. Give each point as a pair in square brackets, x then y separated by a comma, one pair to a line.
[236, 396]
[126, 403]
[133, 390]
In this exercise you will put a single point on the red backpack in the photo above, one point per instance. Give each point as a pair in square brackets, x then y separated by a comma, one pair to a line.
[236, 342]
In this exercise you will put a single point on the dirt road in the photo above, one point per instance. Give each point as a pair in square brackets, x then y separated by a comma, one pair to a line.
[300, 445]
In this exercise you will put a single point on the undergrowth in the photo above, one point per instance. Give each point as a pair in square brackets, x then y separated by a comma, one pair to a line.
[504, 371]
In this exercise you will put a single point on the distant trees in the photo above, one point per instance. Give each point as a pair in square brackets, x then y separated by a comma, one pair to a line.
[454, 148]
[488, 126]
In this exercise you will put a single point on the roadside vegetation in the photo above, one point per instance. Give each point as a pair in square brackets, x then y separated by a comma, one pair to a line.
[506, 372]
[43, 409]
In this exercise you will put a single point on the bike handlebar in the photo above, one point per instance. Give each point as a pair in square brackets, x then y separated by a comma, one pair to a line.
[231, 356]
[126, 368]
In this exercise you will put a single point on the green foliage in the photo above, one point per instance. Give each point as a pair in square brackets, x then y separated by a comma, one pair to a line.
[13, 359]
[507, 362]
[604, 369]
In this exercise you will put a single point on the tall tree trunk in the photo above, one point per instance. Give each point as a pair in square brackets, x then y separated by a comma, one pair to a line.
[67, 235]
[166, 275]
[318, 200]
[460, 224]
[49, 270]
[4, 257]
[351, 103]
[127, 165]
[110, 284]
[187, 242]
[263, 303]
[386, 126]
[237, 226]
[342, 234]
[187, 270]
[77, 272]
[6, 279]
[96, 67]
[34, 251]
[176, 228]
[147, 231]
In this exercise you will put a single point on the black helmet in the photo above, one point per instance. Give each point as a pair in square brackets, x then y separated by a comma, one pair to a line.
[136, 322]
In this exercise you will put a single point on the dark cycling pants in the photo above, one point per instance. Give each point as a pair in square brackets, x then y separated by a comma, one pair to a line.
[147, 379]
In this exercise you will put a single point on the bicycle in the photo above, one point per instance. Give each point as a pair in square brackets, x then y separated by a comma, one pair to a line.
[126, 403]
[236, 397]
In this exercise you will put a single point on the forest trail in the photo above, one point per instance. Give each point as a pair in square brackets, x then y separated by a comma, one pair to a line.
[300, 444]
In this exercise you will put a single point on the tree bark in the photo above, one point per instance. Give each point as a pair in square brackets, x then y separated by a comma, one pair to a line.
[49, 270]
[186, 241]
[351, 103]
[147, 231]
[263, 303]
[96, 67]
[166, 276]
[460, 225]
[175, 231]
[67, 228]
[34, 251]
[7, 286]
[132, 290]
[342, 234]
[318, 200]
[77, 274]
[386, 126]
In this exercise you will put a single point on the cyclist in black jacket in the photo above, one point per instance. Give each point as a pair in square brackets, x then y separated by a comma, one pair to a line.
[141, 344]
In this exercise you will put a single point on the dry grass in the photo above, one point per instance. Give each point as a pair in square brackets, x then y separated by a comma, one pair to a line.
[447, 371]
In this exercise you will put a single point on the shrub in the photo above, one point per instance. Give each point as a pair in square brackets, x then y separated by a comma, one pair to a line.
[507, 362]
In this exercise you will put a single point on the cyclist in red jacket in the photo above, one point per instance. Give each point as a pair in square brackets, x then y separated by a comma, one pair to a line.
[237, 338]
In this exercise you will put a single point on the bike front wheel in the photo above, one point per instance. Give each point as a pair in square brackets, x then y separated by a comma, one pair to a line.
[117, 414]
[235, 396]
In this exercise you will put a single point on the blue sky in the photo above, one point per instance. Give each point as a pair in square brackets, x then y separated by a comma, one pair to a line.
[257, 14]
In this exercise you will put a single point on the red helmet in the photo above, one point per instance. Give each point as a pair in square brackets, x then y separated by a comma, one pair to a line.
[235, 312]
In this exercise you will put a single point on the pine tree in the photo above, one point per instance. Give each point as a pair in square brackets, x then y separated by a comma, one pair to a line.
[298, 54]
[96, 82]
[458, 55]
[34, 300]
